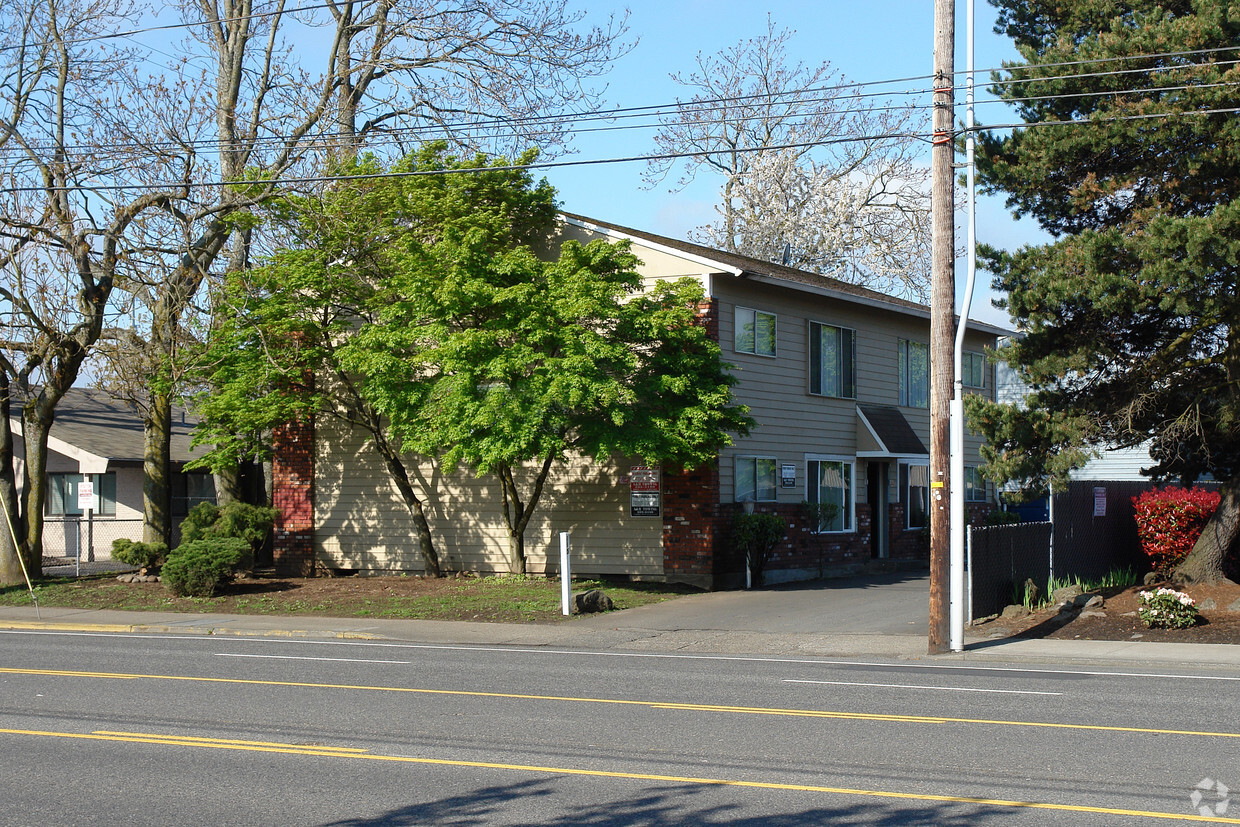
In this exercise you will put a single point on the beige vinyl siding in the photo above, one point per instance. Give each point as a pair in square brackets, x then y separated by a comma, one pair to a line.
[362, 523]
[794, 422]
[656, 265]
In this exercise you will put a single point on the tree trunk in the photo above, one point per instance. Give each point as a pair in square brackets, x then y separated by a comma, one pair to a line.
[10, 566]
[517, 514]
[1218, 543]
[37, 417]
[421, 528]
[156, 469]
[228, 485]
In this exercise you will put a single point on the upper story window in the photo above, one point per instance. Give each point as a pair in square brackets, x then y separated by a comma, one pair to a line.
[755, 479]
[914, 370]
[832, 361]
[63, 489]
[974, 485]
[973, 370]
[755, 332]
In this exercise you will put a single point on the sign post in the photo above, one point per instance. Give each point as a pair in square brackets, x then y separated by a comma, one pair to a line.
[566, 577]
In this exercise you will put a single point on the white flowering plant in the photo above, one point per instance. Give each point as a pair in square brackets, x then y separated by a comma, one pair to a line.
[1167, 609]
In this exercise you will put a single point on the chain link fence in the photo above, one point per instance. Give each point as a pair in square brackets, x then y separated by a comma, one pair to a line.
[999, 558]
[83, 545]
[1091, 532]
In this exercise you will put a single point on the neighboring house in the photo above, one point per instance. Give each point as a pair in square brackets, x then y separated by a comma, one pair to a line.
[836, 376]
[1112, 465]
[96, 438]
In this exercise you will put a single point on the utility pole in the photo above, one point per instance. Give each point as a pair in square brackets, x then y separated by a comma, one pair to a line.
[942, 305]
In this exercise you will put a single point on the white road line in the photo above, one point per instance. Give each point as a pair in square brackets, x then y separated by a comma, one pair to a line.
[298, 657]
[527, 650]
[938, 688]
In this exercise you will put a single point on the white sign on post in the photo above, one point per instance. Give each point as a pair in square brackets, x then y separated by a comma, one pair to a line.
[86, 500]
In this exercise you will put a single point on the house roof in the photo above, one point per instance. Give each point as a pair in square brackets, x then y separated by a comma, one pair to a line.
[95, 428]
[747, 267]
[891, 431]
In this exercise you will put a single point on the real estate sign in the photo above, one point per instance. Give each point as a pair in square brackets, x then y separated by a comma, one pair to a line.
[645, 495]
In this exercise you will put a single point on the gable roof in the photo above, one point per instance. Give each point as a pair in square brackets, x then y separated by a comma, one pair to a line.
[95, 428]
[759, 270]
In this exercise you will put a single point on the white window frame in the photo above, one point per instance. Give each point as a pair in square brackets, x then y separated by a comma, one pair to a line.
[904, 367]
[68, 505]
[740, 460]
[906, 482]
[970, 361]
[974, 484]
[848, 514]
[753, 314]
[847, 369]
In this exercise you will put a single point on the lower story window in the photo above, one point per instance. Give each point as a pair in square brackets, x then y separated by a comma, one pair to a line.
[755, 479]
[63, 490]
[188, 490]
[915, 490]
[830, 483]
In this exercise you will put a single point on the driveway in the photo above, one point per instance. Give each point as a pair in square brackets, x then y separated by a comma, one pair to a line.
[874, 604]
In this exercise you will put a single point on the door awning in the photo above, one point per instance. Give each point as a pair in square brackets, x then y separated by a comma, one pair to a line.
[883, 432]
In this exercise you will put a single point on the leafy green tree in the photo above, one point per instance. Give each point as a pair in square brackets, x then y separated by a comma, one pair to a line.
[1131, 159]
[431, 309]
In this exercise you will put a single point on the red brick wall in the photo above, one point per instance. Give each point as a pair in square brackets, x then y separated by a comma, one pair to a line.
[695, 548]
[292, 471]
[805, 551]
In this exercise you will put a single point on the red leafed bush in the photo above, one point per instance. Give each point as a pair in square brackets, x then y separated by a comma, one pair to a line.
[1169, 521]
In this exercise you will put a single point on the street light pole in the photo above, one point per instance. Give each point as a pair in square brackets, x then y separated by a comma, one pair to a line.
[942, 305]
[956, 564]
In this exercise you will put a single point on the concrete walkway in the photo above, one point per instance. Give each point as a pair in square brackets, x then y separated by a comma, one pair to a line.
[872, 616]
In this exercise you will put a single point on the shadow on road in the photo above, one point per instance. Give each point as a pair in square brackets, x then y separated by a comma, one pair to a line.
[671, 806]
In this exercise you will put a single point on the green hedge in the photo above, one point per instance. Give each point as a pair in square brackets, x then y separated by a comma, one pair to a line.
[200, 568]
[142, 555]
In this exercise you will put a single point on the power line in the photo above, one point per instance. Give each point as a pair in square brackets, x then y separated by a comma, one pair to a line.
[541, 165]
[661, 111]
[73, 41]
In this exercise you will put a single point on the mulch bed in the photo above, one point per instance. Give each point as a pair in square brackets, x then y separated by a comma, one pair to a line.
[1121, 622]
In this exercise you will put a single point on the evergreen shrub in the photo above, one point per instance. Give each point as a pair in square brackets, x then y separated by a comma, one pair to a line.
[142, 555]
[200, 568]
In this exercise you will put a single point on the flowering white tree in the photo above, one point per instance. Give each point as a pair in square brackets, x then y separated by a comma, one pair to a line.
[867, 225]
[815, 173]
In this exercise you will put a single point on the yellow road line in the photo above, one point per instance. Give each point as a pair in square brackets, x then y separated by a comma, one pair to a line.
[738, 710]
[360, 754]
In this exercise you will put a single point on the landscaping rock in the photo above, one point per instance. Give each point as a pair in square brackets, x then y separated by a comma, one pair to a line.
[1092, 613]
[592, 601]
[1207, 605]
[1151, 577]
[1235, 606]
[1067, 594]
[1015, 610]
[1092, 601]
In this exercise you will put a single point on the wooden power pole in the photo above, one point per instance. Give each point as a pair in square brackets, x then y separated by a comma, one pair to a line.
[942, 304]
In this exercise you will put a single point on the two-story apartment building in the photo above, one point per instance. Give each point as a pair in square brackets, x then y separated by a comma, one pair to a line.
[836, 377]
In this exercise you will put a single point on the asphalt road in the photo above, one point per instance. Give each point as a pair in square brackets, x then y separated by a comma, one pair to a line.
[136, 730]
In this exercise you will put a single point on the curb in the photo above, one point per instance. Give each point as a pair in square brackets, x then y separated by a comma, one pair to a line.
[207, 631]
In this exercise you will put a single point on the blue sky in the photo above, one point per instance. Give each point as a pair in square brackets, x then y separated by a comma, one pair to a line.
[865, 41]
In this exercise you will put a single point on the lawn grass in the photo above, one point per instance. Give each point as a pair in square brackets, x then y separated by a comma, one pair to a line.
[465, 597]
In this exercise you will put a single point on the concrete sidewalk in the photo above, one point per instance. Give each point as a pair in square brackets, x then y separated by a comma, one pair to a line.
[881, 616]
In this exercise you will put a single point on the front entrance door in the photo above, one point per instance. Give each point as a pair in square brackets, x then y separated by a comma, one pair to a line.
[876, 496]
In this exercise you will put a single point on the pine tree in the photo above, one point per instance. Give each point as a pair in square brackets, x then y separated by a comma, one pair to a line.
[1131, 159]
